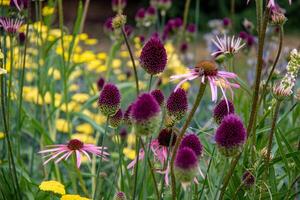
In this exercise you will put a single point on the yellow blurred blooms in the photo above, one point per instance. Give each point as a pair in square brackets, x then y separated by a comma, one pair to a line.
[102, 55]
[53, 186]
[129, 153]
[91, 41]
[2, 135]
[85, 128]
[80, 97]
[73, 197]
[47, 10]
[4, 2]
[62, 125]
[55, 73]
[87, 139]
[116, 63]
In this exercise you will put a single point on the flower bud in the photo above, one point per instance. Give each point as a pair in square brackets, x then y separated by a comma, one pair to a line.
[165, 136]
[120, 196]
[159, 96]
[248, 179]
[118, 21]
[116, 119]
[222, 109]
[192, 141]
[109, 100]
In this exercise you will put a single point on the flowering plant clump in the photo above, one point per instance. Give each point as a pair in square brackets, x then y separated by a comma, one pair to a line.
[156, 104]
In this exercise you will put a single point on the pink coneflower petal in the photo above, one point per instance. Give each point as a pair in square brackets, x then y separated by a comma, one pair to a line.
[141, 157]
[86, 154]
[53, 157]
[62, 157]
[78, 158]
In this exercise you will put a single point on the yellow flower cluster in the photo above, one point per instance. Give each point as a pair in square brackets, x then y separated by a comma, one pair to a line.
[73, 197]
[52, 186]
[4, 2]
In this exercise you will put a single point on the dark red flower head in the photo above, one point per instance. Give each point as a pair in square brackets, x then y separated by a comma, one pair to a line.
[192, 141]
[223, 109]
[159, 96]
[116, 119]
[248, 179]
[165, 136]
[100, 83]
[186, 158]
[109, 99]
[153, 56]
[177, 104]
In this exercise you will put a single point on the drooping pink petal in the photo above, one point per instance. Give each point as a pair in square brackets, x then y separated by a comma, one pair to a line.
[141, 157]
[78, 158]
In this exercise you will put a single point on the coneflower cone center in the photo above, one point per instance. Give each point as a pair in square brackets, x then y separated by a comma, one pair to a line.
[209, 68]
[75, 144]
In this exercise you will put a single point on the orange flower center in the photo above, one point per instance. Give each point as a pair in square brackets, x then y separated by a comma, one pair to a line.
[209, 67]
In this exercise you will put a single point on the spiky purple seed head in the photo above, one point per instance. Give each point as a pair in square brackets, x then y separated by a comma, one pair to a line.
[145, 114]
[116, 119]
[109, 99]
[100, 83]
[165, 136]
[120, 196]
[193, 142]
[127, 115]
[231, 135]
[185, 165]
[153, 57]
[248, 179]
[177, 106]
[222, 109]
[159, 96]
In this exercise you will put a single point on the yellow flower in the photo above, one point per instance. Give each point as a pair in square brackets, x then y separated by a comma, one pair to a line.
[102, 55]
[116, 63]
[83, 36]
[2, 135]
[124, 54]
[73, 88]
[1, 55]
[4, 2]
[47, 10]
[73, 197]
[52, 186]
[85, 128]
[55, 73]
[91, 41]
[62, 125]
[129, 153]
[87, 139]
[131, 139]
[80, 97]
[73, 106]
[122, 77]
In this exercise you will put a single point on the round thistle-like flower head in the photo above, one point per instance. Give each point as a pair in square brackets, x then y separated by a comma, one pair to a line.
[231, 135]
[186, 164]
[120, 196]
[109, 99]
[177, 105]
[165, 136]
[248, 179]
[153, 56]
[127, 115]
[222, 109]
[116, 119]
[100, 83]
[145, 114]
[159, 96]
[192, 141]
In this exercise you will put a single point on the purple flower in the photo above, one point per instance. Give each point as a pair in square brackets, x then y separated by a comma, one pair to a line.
[19, 4]
[140, 15]
[177, 105]
[123, 133]
[109, 100]
[159, 96]
[127, 115]
[226, 21]
[243, 35]
[248, 179]
[186, 164]
[145, 113]
[153, 56]
[192, 141]
[191, 28]
[128, 29]
[222, 109]
[120, 196]
[184, 47]
[118, 5]
[116, 119]
[100, 83]
[107, 26]
[231, 135]
[22, 38]
[151, 11]
[10, 25]
[165, 136]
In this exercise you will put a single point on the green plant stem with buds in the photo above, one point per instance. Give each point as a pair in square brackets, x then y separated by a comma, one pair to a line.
[132, 60]
[181, 134]
[273, 126]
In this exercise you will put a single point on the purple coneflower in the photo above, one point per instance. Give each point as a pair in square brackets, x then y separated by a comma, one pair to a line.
[10, 25]
[116, 119]
[186, 165]
[19, 4]
[207, 70]
[74, 146]
[231, 135]
[153, 56]
[109, 99]
[192, 141]
[146, 115]
[177, 106]
[159, 96]
[227, 45]
[222, 109]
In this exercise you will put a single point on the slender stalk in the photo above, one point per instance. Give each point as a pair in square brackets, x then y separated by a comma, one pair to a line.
[232, 12]
[95, 195]
[85, 10]
[150, 82]
[151, 169]
[274, 64]
[273, 126]
[137, 147]
[132, 60]
[180, 136]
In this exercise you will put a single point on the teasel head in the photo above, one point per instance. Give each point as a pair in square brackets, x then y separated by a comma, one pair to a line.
[192, 141]
[159, 96]
[116, 119]
[186, 165]
[230, 136]
[177, 106]
[222, 109]
[109, 100]
[146, 115]
[153, 57]
[167, 137]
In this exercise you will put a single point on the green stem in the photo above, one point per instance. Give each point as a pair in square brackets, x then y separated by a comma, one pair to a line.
[273, 126]
[150, 82]
[132, 60]
[137, 147]
[181, 134]
[85, 10]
